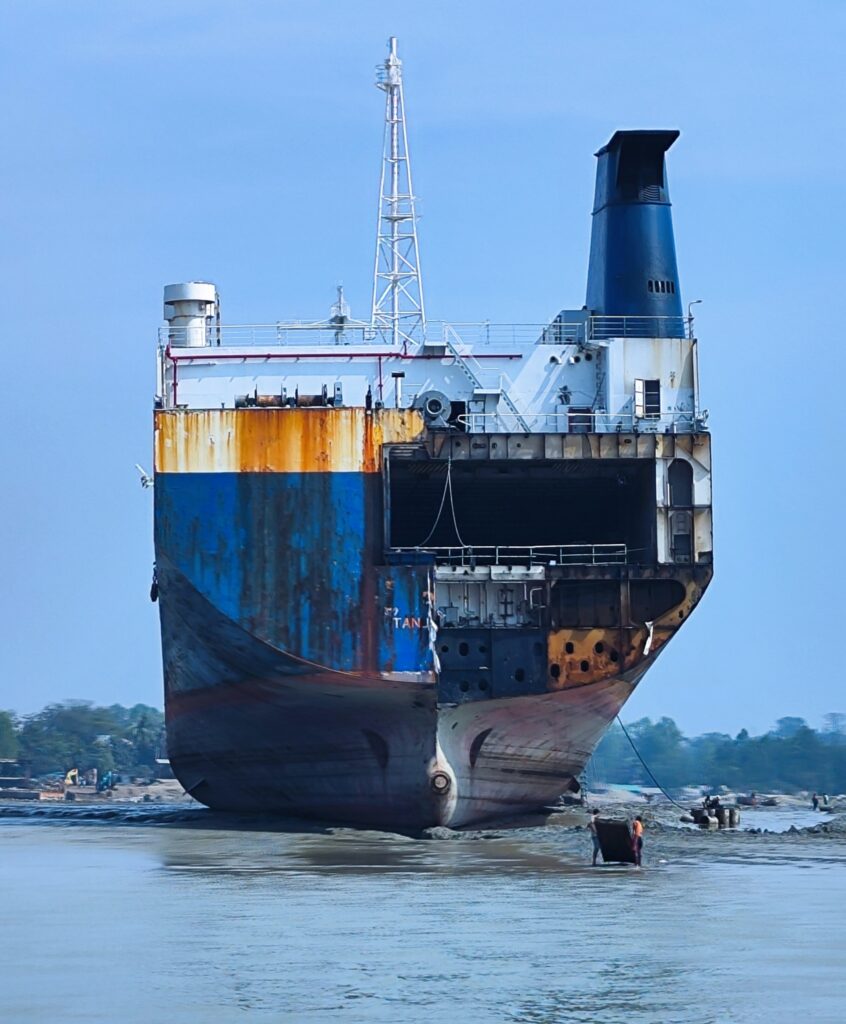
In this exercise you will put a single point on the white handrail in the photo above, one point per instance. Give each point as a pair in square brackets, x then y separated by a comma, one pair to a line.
[577, 421]
[496, 554]
[483, 334]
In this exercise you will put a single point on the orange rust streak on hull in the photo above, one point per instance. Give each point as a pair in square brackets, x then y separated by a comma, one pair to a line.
[315, 440]
[592, 655]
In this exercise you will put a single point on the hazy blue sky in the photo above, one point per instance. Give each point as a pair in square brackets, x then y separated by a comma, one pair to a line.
[150, 142]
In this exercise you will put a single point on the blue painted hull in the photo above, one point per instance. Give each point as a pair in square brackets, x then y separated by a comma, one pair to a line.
[291, 559]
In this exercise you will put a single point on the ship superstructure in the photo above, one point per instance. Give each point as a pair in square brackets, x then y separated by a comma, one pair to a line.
[410, 570]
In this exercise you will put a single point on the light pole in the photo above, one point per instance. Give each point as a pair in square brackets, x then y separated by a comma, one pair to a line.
[690, 306]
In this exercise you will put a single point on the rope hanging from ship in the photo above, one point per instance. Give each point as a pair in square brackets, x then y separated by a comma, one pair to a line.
[447, 490]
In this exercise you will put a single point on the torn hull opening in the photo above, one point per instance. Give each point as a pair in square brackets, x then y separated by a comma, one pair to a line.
[523, 504]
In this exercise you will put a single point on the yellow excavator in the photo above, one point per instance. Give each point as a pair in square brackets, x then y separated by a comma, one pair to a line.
[72, 777]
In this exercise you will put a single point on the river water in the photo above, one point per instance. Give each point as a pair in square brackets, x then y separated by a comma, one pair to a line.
[200, 920]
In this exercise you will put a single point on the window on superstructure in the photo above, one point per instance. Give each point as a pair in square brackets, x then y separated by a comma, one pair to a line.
[648, 399]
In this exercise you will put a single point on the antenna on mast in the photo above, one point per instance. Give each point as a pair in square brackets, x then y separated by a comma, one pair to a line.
[397, 310]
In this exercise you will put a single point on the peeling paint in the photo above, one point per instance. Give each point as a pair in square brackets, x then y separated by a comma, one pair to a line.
[313, 440]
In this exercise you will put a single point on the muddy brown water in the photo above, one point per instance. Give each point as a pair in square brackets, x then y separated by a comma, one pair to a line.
[177, 916]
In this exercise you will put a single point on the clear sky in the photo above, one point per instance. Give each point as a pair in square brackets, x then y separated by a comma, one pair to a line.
[239, 142]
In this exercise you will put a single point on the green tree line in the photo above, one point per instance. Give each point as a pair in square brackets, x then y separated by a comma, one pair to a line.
[790, 758]
[77, 734]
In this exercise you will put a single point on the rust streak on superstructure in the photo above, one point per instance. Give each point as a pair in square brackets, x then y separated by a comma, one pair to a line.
[311, 440]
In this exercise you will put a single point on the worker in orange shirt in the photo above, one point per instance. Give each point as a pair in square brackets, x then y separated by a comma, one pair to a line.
[637, 839]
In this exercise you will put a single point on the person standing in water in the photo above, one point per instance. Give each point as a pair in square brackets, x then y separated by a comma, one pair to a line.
[594, 832]
[637, 839]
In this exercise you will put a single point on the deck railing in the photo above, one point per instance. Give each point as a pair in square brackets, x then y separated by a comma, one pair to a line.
[297, 333]
[594, 421]
[538, 554]
[604, 327]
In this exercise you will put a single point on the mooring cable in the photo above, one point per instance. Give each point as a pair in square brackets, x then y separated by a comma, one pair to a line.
[646, 766]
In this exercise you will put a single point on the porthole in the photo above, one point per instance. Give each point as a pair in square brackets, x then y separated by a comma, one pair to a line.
[444, 648]
[463, 649]
[483, 649]
[464, 686]
[584, 666]
[555, 670]
[519, 675]
[599, 647]
[614, 656]
[568, 647]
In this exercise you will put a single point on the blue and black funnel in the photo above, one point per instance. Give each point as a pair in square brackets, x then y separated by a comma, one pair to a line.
[633, 271]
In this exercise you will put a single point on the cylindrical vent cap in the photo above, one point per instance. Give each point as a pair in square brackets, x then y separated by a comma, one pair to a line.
[188, 309]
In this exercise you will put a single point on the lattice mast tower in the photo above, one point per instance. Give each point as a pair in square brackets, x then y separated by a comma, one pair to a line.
[397, 312]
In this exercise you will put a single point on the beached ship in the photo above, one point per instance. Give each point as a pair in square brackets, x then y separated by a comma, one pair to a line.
[408, 570]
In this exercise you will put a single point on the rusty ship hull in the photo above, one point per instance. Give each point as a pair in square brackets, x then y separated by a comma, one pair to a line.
[305, 675]
[254, 730]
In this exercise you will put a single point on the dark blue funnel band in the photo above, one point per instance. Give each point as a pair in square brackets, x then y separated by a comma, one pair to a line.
[633, 269]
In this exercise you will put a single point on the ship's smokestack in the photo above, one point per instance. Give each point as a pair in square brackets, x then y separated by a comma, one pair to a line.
[632, 269]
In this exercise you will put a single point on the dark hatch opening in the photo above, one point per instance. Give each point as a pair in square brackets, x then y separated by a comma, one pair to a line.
[524, 503]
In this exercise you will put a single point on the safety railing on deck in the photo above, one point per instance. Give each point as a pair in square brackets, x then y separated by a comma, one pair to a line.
[305, 333]
[581, 421]
[298, 333]
[604, 327]
[541, 554]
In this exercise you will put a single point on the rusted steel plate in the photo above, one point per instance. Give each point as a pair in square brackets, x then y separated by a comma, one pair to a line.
[324, 440]
[615, 841]
[588, 655]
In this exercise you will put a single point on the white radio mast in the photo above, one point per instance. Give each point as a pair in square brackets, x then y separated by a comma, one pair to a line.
[397, 311]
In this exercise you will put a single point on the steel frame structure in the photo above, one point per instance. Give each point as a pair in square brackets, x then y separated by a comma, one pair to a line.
[397, 311]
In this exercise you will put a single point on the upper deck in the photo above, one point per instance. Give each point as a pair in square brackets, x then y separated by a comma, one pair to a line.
[578, 374]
